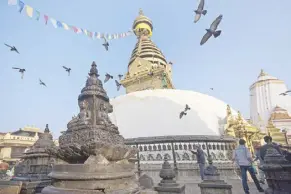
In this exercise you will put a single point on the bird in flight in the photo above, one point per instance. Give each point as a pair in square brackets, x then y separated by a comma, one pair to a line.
[211, 89]
[283, 94]
[199, 11]
[42, 83]
[107, 77]
[105, 44]
[170, 63]
[187, 107]
[12, 48]
[182, 114]
[120, 76]
[212, 30]
[67, 69]
[20, 70]
[117, 85]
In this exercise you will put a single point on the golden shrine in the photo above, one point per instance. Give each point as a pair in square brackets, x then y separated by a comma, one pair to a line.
[237, 127]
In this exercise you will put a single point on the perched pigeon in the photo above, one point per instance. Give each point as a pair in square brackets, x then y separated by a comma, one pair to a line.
[20, 70]
[41, 83]
[187, 107]
[182, 114]
[67, 69]
[200, 11]
[107, 77]
[105, 44]
[12, 48]
[117, 85]
[120, 76]
[212, 30]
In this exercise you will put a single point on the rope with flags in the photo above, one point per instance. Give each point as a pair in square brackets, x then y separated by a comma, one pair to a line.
[33, 13]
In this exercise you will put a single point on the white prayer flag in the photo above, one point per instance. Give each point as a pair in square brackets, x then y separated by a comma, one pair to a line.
[12, 2]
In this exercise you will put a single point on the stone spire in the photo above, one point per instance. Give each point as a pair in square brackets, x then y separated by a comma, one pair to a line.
[93, 149]
[147, 67]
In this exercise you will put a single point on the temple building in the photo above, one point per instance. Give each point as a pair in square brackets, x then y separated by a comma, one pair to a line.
[12, 145]
[148, 115]
[269, 109]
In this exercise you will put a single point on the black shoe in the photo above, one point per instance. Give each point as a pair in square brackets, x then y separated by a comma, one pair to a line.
[261, 190]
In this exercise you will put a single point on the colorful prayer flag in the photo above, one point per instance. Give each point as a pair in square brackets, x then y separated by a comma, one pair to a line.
[29, 11]
[54, 22]
[59, 24]
[66, 27]
[21, 6]
[46, 19]
[37, 15]
[12, 2]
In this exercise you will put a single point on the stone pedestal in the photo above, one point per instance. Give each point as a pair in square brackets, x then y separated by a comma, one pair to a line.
[212, 183]
[277, 172]
[168, 184]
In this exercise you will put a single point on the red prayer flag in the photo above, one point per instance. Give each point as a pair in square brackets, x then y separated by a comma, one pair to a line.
[46, 19]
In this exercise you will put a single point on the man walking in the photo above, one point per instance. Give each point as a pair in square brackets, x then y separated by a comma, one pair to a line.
[243, 158]
[200, 160]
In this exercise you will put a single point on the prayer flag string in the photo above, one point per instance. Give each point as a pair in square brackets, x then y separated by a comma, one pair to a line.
[33, 13]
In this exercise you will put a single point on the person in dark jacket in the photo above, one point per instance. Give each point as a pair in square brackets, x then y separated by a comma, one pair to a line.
[200, 160]
[269, 144]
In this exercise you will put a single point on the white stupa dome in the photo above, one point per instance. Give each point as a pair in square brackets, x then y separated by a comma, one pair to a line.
[156, 113]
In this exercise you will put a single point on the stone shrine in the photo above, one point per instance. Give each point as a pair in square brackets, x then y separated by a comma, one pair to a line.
[34, 166]
[212, 182]
[168, 184]
[97, 159]
[277, 172]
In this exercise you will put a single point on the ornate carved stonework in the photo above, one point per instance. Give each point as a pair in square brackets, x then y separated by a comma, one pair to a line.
[99, 161]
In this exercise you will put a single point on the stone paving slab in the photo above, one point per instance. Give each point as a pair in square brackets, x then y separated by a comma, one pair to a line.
[236, 187]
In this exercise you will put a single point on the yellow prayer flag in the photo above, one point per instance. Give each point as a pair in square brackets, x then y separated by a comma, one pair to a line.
[29, 11]
[66, 27]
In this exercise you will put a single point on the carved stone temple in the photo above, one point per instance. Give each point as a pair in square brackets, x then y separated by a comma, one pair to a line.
[36, 164]
[97, 159]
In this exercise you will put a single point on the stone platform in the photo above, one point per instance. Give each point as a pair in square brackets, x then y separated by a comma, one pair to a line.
[192, 187]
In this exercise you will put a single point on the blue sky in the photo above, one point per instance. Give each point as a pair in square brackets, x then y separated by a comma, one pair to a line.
[255, 35]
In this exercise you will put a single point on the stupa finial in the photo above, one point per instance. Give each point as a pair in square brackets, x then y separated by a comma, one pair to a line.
[46, 130]
[140, 11]
[93, 70]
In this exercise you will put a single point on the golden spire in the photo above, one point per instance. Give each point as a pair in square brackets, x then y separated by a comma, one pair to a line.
[140, 11]
[142, 25]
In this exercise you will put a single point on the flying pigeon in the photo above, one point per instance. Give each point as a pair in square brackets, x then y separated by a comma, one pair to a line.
[117, 85]
[182, 114]
[212, 30]
[211, 88]
[107, 77]
[187, 108]
[170, 63]
[12, 48]
[105, 44]
[120, 76]
[67, 69]
[20, 70]
[42, 83]
[283, 94]
[200, 11]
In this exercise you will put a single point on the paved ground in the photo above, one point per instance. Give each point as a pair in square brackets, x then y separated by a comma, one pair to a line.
[192, 188]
